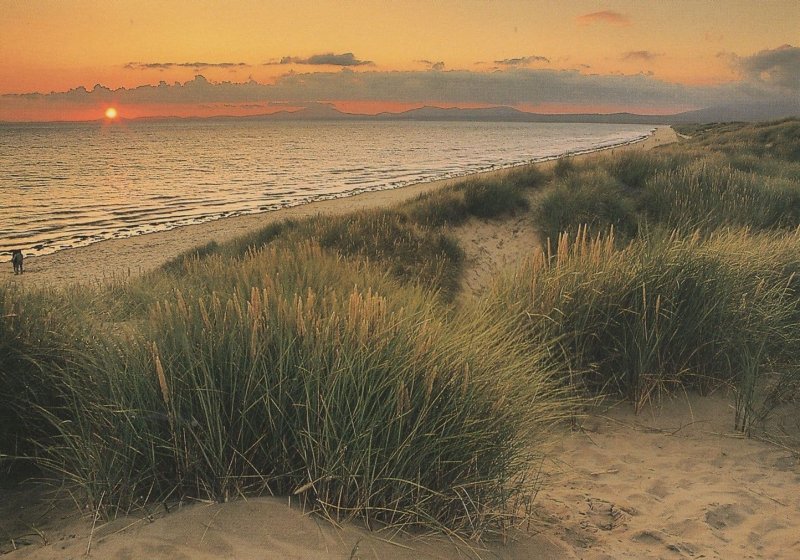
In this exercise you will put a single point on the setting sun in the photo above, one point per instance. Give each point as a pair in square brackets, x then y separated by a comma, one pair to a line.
[111, 113]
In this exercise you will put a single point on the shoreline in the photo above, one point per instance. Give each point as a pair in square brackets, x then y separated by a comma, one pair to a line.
[670, 477]
[129, 257]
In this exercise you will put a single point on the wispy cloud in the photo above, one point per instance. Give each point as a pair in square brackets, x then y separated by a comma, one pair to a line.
[522, 61]
[606, 16]
[437, 66]
[325, 59]
[641, 55]
[171, 65]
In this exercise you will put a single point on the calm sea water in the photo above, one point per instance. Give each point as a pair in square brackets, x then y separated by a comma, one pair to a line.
[67, 185]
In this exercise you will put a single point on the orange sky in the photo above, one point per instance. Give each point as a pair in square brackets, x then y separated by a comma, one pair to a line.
[57, 45]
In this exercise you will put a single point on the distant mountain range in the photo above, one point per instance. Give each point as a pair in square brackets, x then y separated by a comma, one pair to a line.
[751, 113]
[326, 112]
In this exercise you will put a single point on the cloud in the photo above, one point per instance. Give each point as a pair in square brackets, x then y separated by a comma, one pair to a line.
[776, 67]
[502, 87]
[437, 66]
[520, 85]
[640, 55]
[770, 72]
[522, 61]
[171, 65]
[326, 59]
[606, 16]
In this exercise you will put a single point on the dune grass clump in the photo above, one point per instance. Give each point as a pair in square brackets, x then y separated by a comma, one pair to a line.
[777, 140]
[669, 312]
[564, 166]
[527, 176]
[587, 198]
[413, 252]
[39, 332]
[481, 198]
[633, 169]
[699, 185]
[239, 246]
[708, 194]
[489, 199]
[440, 208]
[296, 371]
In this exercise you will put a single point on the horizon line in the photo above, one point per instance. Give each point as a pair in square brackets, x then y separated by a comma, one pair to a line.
[332, 107]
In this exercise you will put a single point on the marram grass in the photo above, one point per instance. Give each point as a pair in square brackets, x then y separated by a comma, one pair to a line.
[669, 311]
[285, 376]
[323, 359]
[747, 176]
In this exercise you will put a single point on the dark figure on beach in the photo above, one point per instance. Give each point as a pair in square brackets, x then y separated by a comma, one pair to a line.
[16, 260]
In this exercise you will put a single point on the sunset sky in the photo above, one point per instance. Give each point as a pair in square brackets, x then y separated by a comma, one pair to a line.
[72, 59]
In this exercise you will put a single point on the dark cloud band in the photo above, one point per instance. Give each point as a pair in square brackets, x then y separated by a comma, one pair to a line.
[193, 65]
[326, 59]
[522, 61]
[779, 67]
[767, 75]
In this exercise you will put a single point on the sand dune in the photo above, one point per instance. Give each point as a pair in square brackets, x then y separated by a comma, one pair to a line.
[672, 482]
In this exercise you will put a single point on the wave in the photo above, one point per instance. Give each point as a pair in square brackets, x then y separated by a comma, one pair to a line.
[88, 185]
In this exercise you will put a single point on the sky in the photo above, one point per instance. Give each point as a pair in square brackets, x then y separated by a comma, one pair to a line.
[72, 59]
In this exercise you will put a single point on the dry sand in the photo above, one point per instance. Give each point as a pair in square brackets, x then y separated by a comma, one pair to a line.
[672, 482]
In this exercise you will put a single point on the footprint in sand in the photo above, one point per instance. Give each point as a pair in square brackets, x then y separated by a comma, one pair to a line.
[727, 515]
[605, 515]
[660, 490]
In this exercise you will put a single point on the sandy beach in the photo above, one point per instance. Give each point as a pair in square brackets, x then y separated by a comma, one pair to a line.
[122, 258]
[674, 481]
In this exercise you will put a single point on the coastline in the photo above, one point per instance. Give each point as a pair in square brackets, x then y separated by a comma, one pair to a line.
[133, 256]
[670, 477]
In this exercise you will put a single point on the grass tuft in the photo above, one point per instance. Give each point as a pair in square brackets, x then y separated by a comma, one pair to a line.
[293, 370]
[667, 312]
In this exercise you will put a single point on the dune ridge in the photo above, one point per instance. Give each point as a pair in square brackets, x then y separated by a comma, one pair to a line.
[671, 482]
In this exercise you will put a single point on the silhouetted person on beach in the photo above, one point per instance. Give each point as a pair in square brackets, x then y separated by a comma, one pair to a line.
[16, 260]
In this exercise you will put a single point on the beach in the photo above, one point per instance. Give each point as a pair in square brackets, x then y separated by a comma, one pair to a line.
[132, 256]
[673, 481]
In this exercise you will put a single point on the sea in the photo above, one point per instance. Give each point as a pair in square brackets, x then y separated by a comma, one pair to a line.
[68, 185]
